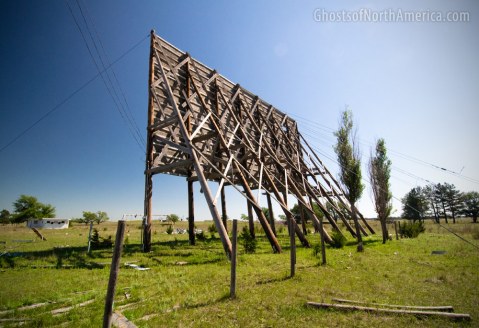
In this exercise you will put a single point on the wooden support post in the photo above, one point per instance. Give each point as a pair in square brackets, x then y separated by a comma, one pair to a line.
[191, 212]
[114, 269]
[303, 221]
[233, 259]
[360, 247]
[224, 216]
[250, 219]
[292, 243]
[149, 152]
[271, 215]
[323, 246]
[396, 229]
[89, 237]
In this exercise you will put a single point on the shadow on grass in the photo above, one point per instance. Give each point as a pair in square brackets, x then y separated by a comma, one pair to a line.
[365, 242]
[223, 298]
[271, 281]
[60, 258]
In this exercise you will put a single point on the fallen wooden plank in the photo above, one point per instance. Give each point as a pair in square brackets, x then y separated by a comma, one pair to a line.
[120, 321]
[38, 234]
[343, 307]
[69, 308]
[446, 308]
[24, 308]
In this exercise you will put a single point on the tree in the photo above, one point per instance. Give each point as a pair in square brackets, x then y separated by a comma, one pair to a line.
[244, 217]
[379, 174]
[430, 194]
[415, 204]
[5, 217]
[98, 217]
[350, 166]
[453, 199]
[440, 192]
[471, 205]
[173, 218]
[28, 207]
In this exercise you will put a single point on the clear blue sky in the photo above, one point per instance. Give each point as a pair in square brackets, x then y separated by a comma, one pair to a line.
[416, 84]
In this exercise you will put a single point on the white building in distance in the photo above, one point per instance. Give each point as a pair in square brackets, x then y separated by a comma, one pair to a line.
[48, 223]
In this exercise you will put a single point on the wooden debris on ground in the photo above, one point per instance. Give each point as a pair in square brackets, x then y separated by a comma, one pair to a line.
[400, 309]
[136, 267]
[120, 321]
[445, 308]
[38, 234]
[69, 308]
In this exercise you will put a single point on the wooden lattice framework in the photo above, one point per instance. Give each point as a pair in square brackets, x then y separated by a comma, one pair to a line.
[204, 127]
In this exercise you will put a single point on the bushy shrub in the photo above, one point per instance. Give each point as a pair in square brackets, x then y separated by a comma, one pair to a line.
[411, 229]
[200, 235]
[98, 242]
[338, 239]
[247, 241]
[316, 249]
[169, 230]
[212, 229]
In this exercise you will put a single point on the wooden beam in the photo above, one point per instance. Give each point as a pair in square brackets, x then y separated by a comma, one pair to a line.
[445, 308]
[343, 307]
[199, 171]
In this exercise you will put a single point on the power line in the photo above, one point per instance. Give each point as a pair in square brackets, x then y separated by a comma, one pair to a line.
[127, 108]
[104, 71]
[70, 96]
[322, 129]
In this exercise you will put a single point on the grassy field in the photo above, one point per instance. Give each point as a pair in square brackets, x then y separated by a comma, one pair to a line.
[188, 286]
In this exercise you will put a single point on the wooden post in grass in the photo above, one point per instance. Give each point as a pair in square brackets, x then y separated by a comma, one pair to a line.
[233, 258]
[191, 211]
[115, 267]
[292, 246]
[89, 237]
[323, 246]
[396, 229]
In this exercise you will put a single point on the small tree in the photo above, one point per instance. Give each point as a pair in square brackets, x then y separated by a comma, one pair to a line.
[173, 218]
[415, 204]
[453, 199]
[379, 174]
[28, 207]
[90, 218]
[430, 194]
[471, 205]
[349, 160]
[98, 217]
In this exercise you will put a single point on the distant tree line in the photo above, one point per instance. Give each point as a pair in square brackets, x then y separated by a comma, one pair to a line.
[440, 201]
[28, 207]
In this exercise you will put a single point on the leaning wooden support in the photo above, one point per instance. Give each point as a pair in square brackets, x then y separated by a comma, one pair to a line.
[191, 212]
[234, 255]
[38, 234]
[446, 308]
[343, 307]
[115, 268]
[292, 242]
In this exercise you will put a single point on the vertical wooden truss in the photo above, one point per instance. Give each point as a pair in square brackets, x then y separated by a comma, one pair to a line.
[206, 128]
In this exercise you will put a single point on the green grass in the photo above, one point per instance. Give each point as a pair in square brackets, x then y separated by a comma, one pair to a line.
[195, 294]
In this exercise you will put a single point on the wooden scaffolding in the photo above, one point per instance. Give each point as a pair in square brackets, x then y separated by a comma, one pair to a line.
[204, 127]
